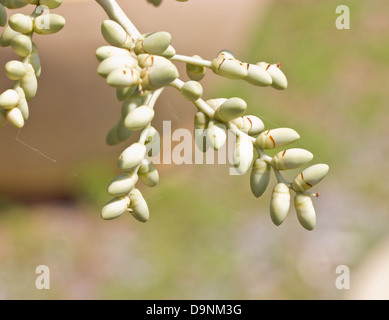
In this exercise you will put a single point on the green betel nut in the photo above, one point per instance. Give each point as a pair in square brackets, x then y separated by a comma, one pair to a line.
[116, 62]
[243, 154]
[105, 52]
[305, 211]
[123, 78]
[260, 177]
[279, 80]
[22, 45]
[154, 43]
[21, 23]
[9, 99]
[276, 138]
[192, 90]
[122, 184]
[115, 35]
[148, 60]
[139, 118]
[15, 70]
[132, 156]
[3, 16]
[231, 109]
[157, 77]
[310, 177]
[258, 76]
[49, 23]
[280, 203]
[29, 83]
[291, 159]
[229, 68]
[140, 210]
[7, 36]
[15, 117]
[115, 208]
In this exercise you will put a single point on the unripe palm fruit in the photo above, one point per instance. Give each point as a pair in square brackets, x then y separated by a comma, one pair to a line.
[305, 211]
[15, 117]
[194, 72]
[115, 208]
[192, 90]
[139, 118]
[231, 109]
[115, 35]
[280, 203]
[275, 138]
[9, 99]
[22, 45]
[15, 70]
[216, 135]
[51, 4]
[154, 43]
[260, 177]
[309, 177]
[21, 23]
[7, 36]
[140, 210]
[243, 154]
[132, 156]
[291, 159]
[49, 23]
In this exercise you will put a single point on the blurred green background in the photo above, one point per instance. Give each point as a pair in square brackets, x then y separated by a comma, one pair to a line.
[208, 237]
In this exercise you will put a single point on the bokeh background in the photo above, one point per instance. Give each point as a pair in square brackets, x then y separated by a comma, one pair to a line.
[208, 237]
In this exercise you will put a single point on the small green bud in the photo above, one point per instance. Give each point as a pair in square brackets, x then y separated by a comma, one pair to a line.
[9, 99]
[310, 177]
[15, 70]
[148, 60]
[123, 78]
[124, 93]
[49, 23]
[291, 159]
[3, 16]
[275, 138]
[140, 210]
[15, 117]
[122, 132]
[280, 203]
[112, 138]
[21, 23]
[139, 118]
[231, 109]
[112, 63]
[279, 80]
[115, 208]
[7, 36]
[158, 77]
[251, 125]
[258, 76]
[122, 184]
[29, 83]
[130, 104]
[192, 90]
[243, 154]
[115, 35]
[22, 45]
[260, 177]
[14, 4]
[23, 107]
[51, 4]
[216, 135]
[229, 68]
[132, 156]
[305, 211]
[194, 72]
[148, 174]
[154, 43]
[169, 53]
[35, 61]
[105, 52]
[216, 103]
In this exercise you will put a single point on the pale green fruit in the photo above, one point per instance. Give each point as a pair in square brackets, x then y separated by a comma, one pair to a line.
[9, 99]
[216, 135]
[258, 76]
[192, 90]
[215, 103]
[250, 124]
[123, 78]
[275, 138]
[305, 211]
[194, 72]
[310, 177]
[154, 43]
[155, 2]
[115, 208]
[279, 80]
[148, 174]
[14, 4]
[122, 132]
[152, 142]
[35, 61]
[3, 16]
[140, 210]
[112, 138]
[29, 83]
[3, 119]
[49, 23]
[169, 53]
[7, 36]
[130, 104]
[22, 45]
[105, 52]
[149, 60]
[280, 203]
[34, 2]
[200, 136]
[260, 177]
[115, 35]
[158, 76]
[23, 107]
[51, 4]
[243, 154]
[15, 117]
[291, 159]
[139, 118]
[132, 156]
[21, 23]
[124, 93]
[229, 68]
[122, 184]
[231, 109]
[116, 62]
[15, 70]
